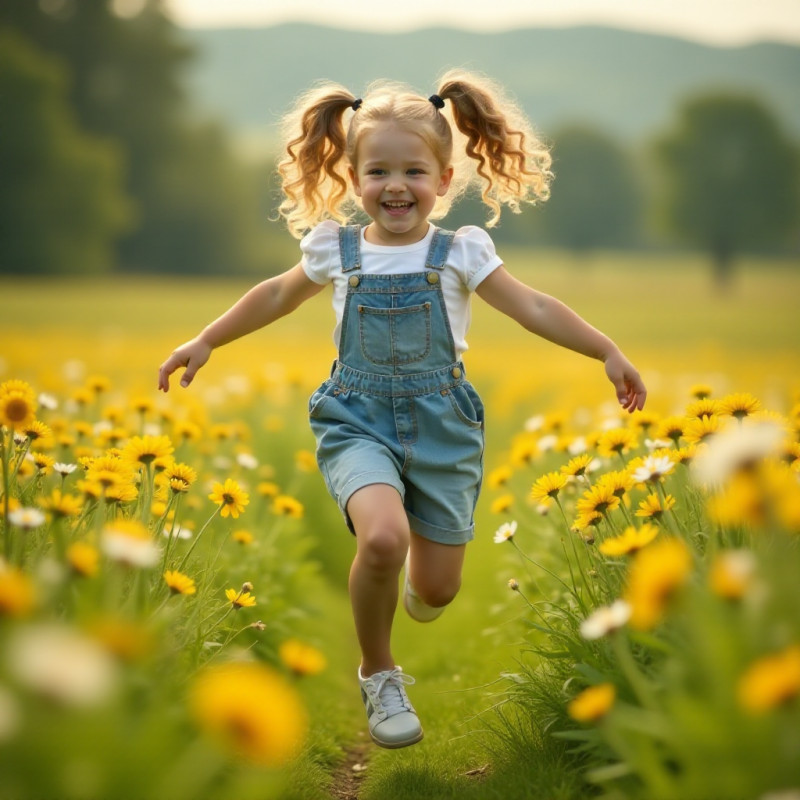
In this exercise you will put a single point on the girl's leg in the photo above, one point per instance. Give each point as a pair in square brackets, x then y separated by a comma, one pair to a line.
[382, 539]
[435, 570]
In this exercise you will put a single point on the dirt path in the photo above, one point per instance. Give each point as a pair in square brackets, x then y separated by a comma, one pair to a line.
[349, 775]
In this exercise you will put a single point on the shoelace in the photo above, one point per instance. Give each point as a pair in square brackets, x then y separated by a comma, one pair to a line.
[395, 700]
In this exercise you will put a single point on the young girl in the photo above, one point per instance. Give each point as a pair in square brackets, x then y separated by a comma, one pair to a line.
[399, 429]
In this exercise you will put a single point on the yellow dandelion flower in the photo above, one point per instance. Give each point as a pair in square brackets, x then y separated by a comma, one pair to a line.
[703, 408]
[127, 640]
[82, 396]
[268, 489]
[146, 449]
[656, 573]
[671, 428]
[38, 432]
[250, 711]
[98, 384]
[243, 537]
[739, 405]
[700, 391]
[731, 573]
[231, 497]
[741, 502]
[43, 462]
[17, 593]
[60, 504]
[221, 431]
[643, 420]
[618, 482]
[653, 507]
[305, 461]
[502, 504]
[548, 486]
[186, 431]
[499, 476]
[17, 409]
[593, 704]
[180, 477]
[122, 493]
[598, 499]
[285, 506]
[18, 386]
[142, 404]
[301, 658]
[523, 449]
[630, 541]
[578, 466]
[616, 441]
[771, 681]
[108, 470]
[584, 522]
[179, 583]
[83, 558]
[240, 599]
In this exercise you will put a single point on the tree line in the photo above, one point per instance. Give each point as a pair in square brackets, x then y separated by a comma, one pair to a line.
[106, 165]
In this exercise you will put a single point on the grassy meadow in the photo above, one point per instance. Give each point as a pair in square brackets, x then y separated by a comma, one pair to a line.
[256, 594]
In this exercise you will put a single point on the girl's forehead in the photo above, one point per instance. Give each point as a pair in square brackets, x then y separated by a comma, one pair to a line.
[392, 139]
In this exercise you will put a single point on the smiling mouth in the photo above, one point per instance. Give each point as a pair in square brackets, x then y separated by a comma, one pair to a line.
[397, 206]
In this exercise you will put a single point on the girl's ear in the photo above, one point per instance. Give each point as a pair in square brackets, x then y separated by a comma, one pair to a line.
[444, 182]
[353, 175]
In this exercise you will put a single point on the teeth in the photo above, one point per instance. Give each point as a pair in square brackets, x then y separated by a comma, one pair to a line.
[397, 204]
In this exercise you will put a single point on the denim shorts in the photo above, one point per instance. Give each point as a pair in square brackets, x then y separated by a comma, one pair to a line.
[429, 446]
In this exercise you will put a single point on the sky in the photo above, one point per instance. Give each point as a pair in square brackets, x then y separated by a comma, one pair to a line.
[716, 22]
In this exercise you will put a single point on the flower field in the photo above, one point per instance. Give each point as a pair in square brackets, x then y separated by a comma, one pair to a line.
[163, 557]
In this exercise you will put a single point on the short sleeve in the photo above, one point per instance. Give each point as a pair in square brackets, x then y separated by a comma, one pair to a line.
[320, 249]
[474, 255]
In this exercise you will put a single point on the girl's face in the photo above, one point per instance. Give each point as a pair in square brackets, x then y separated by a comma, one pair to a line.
[398, 180]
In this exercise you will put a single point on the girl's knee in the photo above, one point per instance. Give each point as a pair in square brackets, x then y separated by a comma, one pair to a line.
[384, 544]
[438, 593]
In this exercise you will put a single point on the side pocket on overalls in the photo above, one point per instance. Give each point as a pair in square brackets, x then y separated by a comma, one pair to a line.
[318, 398]
[467, 404]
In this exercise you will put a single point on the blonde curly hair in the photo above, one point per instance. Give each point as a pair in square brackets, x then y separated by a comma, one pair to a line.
[483, 135]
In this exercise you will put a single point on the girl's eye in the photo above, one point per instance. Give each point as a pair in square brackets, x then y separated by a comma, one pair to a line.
[375, 172]
[416, 172]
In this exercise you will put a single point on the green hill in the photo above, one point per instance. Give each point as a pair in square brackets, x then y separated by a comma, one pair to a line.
[623, 82]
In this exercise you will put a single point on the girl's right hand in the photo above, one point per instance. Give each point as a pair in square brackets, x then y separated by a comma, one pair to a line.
[192, 355]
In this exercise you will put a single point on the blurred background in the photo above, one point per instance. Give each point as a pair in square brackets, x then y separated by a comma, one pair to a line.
[134, 143]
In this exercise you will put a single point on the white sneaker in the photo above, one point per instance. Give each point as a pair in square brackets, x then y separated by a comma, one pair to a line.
[415, 607]
[392, 720]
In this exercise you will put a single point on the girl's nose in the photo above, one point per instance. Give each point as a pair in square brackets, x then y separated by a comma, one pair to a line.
[396, 184]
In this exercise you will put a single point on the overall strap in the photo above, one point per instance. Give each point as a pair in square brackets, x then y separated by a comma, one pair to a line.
[440, 248]
[350, 247]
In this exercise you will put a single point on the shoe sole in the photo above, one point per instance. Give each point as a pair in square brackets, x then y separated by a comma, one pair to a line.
[396, 745]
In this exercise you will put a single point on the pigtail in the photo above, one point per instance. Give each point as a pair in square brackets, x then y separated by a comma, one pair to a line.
[512, 164]
[313, 169]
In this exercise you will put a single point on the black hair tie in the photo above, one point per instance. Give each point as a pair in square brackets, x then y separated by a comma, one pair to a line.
[436, 100]
[356, 104]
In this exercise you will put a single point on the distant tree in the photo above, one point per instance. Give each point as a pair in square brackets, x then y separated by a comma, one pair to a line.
[196, 211]
[62, 202]
[596, 198]
[730, 177]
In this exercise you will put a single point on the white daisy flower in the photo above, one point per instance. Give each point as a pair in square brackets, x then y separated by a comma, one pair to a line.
[505, 532]
[605, 620]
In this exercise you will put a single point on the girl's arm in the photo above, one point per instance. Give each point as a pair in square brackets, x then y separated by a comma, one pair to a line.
[552, 320]
[263, 304]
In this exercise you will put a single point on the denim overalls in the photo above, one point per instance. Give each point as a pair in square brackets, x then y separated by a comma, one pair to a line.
[397, 408]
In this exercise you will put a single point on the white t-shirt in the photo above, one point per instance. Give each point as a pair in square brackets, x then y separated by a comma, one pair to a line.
[472, 258]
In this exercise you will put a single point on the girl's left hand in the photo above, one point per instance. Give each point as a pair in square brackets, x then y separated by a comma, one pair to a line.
[631, 391]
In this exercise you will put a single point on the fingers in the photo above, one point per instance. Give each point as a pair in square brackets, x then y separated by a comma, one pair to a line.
[167, 368]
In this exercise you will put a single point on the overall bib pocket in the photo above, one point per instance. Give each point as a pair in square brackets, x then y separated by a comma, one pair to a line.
[391, 336]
